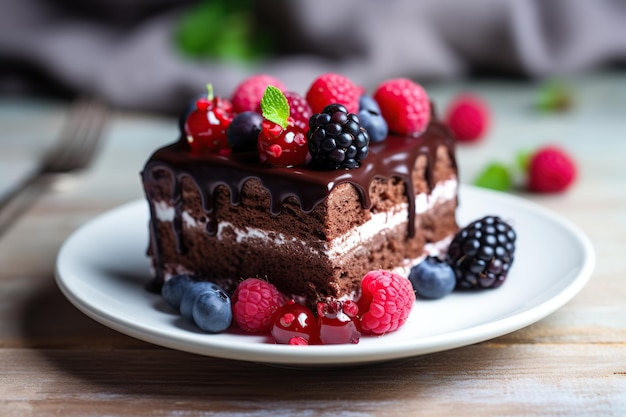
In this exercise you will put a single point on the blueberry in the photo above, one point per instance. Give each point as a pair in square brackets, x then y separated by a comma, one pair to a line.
[192, 293]
[432, 278]
[368, 103]
[375, 125]
[212, 311]
[173, 289]
[243, 131]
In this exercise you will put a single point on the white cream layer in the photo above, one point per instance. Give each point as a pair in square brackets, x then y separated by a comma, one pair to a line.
[378, 223]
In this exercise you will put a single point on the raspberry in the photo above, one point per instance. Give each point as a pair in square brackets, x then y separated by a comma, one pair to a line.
[468, 117]
[299, 110]
[481, 253]
[336, 138]
[254, 303]
[550, 170]
[334, 88]
[386, 301]
[404, 105]
[247, 95]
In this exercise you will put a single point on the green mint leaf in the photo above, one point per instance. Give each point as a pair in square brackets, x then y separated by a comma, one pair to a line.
[554, 97]
[274, 106]
[495, 176]
[209, 88]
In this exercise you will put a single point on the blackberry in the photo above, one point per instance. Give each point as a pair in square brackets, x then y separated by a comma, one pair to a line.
[336, 138]
[482, 253]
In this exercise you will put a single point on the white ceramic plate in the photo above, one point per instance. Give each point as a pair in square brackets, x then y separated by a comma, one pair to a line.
[102, 269]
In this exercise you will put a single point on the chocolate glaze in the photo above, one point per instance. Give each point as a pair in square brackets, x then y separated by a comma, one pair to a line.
[394, 157]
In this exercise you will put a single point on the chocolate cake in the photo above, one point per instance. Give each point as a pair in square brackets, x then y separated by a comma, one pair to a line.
[313, 234]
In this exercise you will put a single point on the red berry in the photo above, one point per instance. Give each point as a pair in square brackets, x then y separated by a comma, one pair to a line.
[550, 170]
[338, 322]
[294, 324]
[298, 341]
[254, 303]
[405, 106]
[468, 117]
[247, 95]
[299, 110]
[386, 301]
[282, 147]
[206, 125]
[334, 88]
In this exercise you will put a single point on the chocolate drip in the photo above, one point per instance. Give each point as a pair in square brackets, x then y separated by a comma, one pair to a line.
[394, 157]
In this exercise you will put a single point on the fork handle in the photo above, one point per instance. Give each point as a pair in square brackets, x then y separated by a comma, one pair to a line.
[17, 203]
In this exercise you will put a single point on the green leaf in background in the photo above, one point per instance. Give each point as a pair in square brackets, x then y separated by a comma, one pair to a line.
[495, 176]
[275, 106]
[221, 29]
[522, 159]
[554, 96]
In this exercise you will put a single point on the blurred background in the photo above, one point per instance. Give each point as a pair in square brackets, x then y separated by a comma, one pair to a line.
[153, 55]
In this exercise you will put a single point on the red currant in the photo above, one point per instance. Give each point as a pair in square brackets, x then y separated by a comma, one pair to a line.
[338, 322]
[206, 125]
[294, 324]
[282, 147]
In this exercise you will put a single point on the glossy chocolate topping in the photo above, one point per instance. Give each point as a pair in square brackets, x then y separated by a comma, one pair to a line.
[394, 157]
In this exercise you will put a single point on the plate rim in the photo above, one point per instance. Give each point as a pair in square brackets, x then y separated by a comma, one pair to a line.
[341, 354]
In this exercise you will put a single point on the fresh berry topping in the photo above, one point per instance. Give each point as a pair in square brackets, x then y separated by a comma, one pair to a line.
[481, 253]
[206, 126]
[468, 117]
[254, 303]
[211, 311]
[495, 176]
[372, 120]
[386, 301]
[243, 131]
[299, 110]
[405, 106]
[182, 117]
[280, 142]
[432, 278]
[174, 288]
[336, 138]
[338, 322]
[298, 341]
[334, 88]
[550, 170]
[192, 293]
[368, 103]
[294, 324]
[247, 95]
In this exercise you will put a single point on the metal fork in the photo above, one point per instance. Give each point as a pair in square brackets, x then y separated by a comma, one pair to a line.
[77, 143]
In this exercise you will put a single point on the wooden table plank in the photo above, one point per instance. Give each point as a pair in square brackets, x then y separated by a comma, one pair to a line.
[490, 378]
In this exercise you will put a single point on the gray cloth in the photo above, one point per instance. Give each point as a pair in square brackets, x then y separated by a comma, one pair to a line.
[133, 64]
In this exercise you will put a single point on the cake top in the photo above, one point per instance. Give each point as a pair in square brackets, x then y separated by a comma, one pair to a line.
[304, 147]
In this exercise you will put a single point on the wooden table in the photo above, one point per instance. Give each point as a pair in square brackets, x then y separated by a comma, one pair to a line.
[56, 361]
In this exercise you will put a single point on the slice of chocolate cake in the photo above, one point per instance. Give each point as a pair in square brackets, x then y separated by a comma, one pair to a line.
[312, 233]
